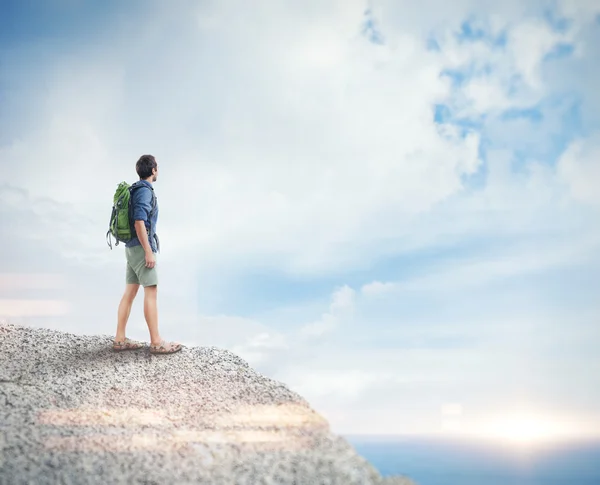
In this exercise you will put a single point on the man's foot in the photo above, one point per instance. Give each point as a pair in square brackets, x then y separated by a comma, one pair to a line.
[164, 347]
[127, 344]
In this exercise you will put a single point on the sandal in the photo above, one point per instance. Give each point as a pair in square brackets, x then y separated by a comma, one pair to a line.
[127, 344]
[165, 348]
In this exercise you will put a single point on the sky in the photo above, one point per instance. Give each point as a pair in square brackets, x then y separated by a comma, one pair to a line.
[390, 206]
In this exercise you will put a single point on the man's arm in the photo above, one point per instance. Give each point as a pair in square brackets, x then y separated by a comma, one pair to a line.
[141, 213]
[140, 231]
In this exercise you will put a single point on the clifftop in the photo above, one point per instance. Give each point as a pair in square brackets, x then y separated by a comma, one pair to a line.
[74, 411]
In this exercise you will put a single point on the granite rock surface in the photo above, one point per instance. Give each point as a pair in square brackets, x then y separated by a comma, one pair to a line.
[72, 411]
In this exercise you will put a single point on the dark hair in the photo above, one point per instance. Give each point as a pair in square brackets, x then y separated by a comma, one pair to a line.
[144, 166]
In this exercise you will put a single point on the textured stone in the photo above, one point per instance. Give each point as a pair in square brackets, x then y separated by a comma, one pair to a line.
[72, 411]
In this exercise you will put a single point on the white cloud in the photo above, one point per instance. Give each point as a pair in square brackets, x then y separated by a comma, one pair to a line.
[582, 11]
[579, 167]
[19, 281]
[259, 348]
[343, 385]
[35, 308]
[529, 42]
[377, 288]
[340, 309]
[513, 262]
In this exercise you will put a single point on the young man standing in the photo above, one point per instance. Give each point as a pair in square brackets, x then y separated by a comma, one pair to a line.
[140, 253]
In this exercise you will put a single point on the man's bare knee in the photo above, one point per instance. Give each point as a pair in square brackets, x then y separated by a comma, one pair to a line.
[131, 291]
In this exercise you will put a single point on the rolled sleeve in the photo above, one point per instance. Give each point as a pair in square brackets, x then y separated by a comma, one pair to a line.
[142, 205]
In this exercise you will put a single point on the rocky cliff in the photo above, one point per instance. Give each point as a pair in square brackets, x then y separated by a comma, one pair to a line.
[73, 411]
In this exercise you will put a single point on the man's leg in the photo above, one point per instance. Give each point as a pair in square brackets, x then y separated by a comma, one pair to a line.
[131, 290]
[151, 312]
[148, 278]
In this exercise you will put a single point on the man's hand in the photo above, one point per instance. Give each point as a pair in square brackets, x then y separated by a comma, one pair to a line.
[150, 261]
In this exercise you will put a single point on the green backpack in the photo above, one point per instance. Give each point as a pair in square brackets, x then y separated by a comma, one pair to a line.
[120, 226]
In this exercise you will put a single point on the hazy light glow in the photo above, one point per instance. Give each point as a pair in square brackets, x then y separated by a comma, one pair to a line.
[527, 430]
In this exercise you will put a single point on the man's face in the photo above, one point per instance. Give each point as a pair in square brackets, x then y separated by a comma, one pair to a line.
[155, 173]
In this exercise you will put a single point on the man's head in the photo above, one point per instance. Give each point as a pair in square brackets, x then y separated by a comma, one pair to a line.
[147, 168]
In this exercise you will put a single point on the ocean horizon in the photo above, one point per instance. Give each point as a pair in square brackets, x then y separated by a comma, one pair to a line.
[437, 461]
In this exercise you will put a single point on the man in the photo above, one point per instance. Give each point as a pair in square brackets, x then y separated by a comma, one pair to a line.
[140, 253]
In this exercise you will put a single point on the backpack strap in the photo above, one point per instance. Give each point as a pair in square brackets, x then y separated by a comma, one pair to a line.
[152, 213]
[130, 210]
[108, 239]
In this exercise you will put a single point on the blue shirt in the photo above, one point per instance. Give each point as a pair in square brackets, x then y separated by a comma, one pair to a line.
[141, 200]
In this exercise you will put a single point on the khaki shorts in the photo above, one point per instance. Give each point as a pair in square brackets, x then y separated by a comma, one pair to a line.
[137, 273]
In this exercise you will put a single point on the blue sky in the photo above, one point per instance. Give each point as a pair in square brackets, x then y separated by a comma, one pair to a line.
[390, 207]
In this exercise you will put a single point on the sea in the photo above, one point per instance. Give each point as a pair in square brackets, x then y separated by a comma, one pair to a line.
[431, 461]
